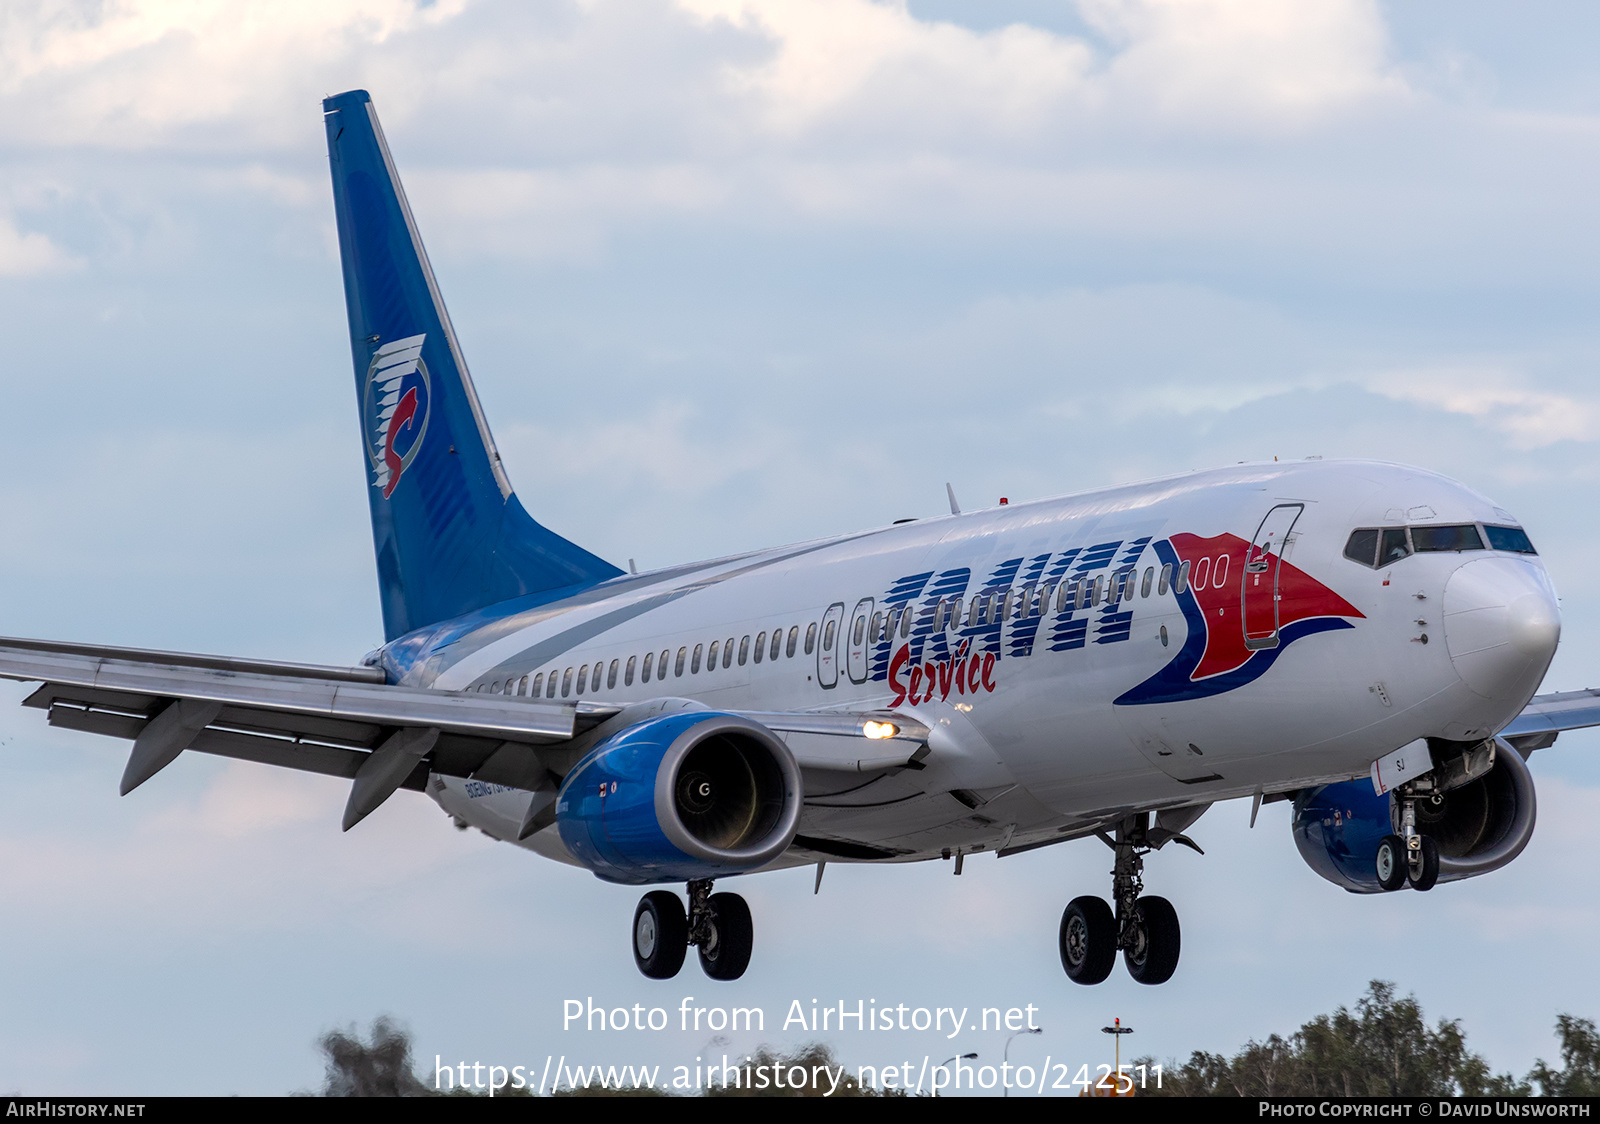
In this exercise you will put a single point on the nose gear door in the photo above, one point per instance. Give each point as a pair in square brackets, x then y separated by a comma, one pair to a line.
[1259, 595]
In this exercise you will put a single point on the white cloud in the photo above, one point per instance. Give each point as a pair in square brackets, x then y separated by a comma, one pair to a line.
[1250, 60]
[1531, 417]
[130, 72]
[26, 254]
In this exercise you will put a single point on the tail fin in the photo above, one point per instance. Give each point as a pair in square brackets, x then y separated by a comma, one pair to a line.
[449, 532]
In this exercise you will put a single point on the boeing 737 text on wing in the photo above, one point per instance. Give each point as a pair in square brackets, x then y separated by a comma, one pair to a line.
[1364, 639]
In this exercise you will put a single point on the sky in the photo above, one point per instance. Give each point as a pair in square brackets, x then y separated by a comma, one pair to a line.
[729, 274]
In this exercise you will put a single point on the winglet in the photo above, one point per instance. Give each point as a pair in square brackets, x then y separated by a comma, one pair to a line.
[955, 508]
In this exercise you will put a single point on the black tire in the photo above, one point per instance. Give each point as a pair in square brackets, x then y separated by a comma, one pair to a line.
[1154, 957]
[1088, 940]
[727, 954]
[660, 934]
[1390, 864]
[1422, 867]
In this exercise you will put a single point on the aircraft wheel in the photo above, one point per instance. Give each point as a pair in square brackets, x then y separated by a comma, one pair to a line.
[1391, 862]
[1422, 865]
[1088, 940]
[660, 934]
[727, 954]
[1154, 956]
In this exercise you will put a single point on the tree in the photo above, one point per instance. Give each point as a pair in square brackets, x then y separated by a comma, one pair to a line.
[1384, 1048]
[1579, 1075]
[381, 1068]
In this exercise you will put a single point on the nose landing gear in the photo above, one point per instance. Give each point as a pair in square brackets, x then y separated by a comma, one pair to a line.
[1144, 927]
[1409, 856]
[718, 924]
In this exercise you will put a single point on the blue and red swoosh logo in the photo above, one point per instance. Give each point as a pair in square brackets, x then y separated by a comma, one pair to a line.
[1214, 658]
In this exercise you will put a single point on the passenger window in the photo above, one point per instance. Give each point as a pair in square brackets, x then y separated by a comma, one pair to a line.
[1165, 580]
[1096, 590]
[1180, 584]
[777, 643]
[1514, 539]
[711, 663]
[1393, 546]
[877, 627]
[794, 635]
[627, 672]
[827, 638]
[550, 687]
[727, 652]
[861, 628]
[694, 661]
[811, 637]
[761, 646]
[661, 664]
[683, 658]
[1129, 580]
[611, 675]
[744, 650]
[644, 674]
[1363, 547]
[1149, 577]
[566, 683]
[1435, 540]
[583, 674]
[906, 617]
[538, 685]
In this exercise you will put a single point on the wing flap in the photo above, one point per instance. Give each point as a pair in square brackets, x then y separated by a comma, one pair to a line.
[125, 683]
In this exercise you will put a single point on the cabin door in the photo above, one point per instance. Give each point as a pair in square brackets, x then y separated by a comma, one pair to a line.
[1260, 595]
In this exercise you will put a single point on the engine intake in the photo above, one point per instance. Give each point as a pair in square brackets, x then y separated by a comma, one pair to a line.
[688, 795]
[1478, 827]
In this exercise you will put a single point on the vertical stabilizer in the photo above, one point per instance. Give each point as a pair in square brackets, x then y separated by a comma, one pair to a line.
[450, 534]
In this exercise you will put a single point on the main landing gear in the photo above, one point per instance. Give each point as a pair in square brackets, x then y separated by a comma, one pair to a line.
[1409, 856]
[718, 924]
[1144, 928]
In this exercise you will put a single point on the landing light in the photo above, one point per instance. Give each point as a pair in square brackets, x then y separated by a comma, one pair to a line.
[877, 730]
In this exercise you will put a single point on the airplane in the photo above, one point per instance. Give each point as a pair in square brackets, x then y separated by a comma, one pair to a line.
[1362, 638]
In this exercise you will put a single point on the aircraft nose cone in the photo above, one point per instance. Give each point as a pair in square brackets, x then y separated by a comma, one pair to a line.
[1501, 626]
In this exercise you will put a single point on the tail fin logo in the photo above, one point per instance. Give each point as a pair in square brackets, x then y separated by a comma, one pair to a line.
[394, 410]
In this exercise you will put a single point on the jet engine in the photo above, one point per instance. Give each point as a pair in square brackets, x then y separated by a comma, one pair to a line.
[1480, 826]
[683, 796]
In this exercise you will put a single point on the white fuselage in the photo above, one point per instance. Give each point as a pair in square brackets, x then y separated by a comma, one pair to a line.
[1029, 739]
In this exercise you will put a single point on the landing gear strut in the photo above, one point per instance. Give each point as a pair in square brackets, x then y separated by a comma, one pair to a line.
[1409, 855]
[1144, 927]
[718, 925]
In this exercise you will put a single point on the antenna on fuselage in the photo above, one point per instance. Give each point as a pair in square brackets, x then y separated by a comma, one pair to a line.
[955, 508]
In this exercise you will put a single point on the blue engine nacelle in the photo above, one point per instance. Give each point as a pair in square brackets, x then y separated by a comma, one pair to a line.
[1479, 827]
[688, 795]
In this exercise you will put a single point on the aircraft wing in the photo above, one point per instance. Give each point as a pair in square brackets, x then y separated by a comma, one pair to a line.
[347, 722]
[1547, 715]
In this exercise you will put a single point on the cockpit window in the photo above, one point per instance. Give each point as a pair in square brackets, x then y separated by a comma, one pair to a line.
[1461, 536]
[1514, 539]
[1362, 547]
[1393, 546]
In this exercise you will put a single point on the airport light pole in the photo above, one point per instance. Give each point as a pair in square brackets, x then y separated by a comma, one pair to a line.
[1116, 1028]
[959, 1057]
[1006, 1090]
